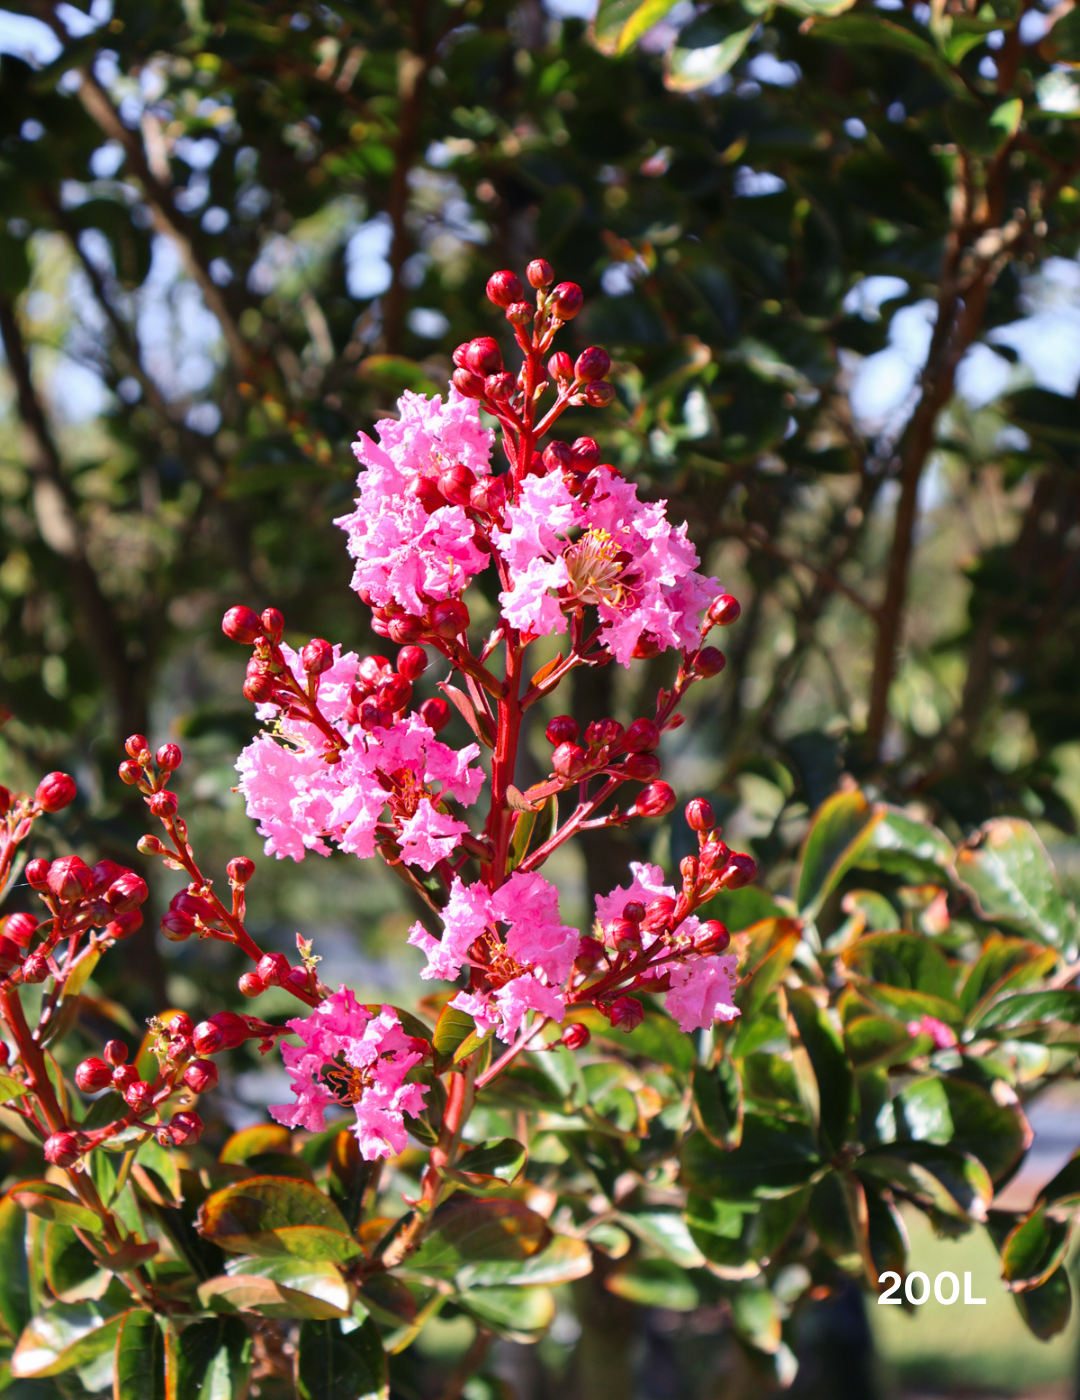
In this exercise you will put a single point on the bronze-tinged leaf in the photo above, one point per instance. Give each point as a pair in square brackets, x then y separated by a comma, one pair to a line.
[473, 716]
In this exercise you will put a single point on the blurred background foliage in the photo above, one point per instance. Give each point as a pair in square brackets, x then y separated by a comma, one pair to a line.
[833, 255]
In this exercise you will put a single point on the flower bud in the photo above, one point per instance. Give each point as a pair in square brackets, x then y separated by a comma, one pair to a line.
[468, 384]
[600, 394]
[207, 1038]
[488, 496]
[135, 744]
[35, 968]
[194, 905]
[659, 913]
[405, 630]
[273, 968]
[627, 1013]
[130, 772]
[700, 815]
[374, 716]
[689, 867]
[115, 1053]
[585, 452]
[591, 364]
[259, 684]
[709, 661]
[394, 694]
[93, 1075]
[201, 1076]
[181, 1025]
[251, 985]
[124, 1076]
[557, 456]
[163, 804]
[590, 952]
[10, 954]
[298, 980]
[604, 733]
[642, 767]
[500, 387]
[233, 1028]
[576, 1036]
[449, 618]
[568, 761]
[124, 925]
[455, 483]
[483, 356]
[740, 870]
[241, 625]
[371, 671]
[459, 354]
[273, 624]
[520, 313]
[5, 801]
[503, 288]
[711, 938]
[128, 891]
[185, 1129]
[425, 490]
[63, 1149]
[240, 870]
[657, 800]
[176, 926]
[20, 928]
[70, 878]
[723, 611]
[412, 663]
[435, 713]
[139, 1096]
[540, 273]
[103, 874]
[567, 300]
[37, 874]
[625, 936]
[642, 737]
[54, 792]
[317, 656]
[563, 729]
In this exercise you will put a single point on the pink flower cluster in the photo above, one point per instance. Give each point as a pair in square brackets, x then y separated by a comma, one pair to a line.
[353, 1056]
[301, 802]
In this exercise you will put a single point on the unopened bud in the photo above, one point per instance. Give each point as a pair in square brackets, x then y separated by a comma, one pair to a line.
[567, 300]
[657, 800]
[115, 1053]
[483, 356]
[135, 744]
[37, 874]
[124, 925]
[273, 968]
[35, 968]
[240, 870]
[576, 1037]
[520, 314]
[394, 694]
[375, 716]
[540, 273]
[317, 656]
[500, 387]
[585, 452]
[163, 804]
[700, 815]
[711, 938]
[468, 384]
[405, 630]
[449, 618]
[435, 713]
[504, 288]
[124, 1076]
[591, 364]
[740, 870]
[70, 878]
[709, 661]
[604, 733]
[93, 1075]
[181, 1025]
[689, 868]
[646, 647]
[488, 496]
[177, 926]
[185, 1129]
[241, 625]
[634, 911]
[627, 1013]
[10, 954]
[150, 846]
[625, 936]
[54, 792]
[128, 891]
[273, 624]
[557, 456]
[412, 662]
[568, 761]
[207, 1038]
[425, 490]
[201, 1076]
[251, 985]
[5, 800]
[139, 1096]
[63, 1149]
[600, 394]
[724, 611]
[130, 771]
[642, 737]
[20, 928]
[642, 767]
[455, 482]
[590, 952]
[563, 729]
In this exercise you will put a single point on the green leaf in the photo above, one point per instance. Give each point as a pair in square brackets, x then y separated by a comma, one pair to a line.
[80, 973]
[762, 978]
[1012, 881]
[953, 1182]
[14, 1274]
[842, 828]
[1065, 1186]
[654, 1283]
[350, 1176]
[756, 1315]
[279, 1288]
[687, 70]
[256, 1140]
[1031, 1009]
[611, 18]
[648, 13]
[1046, 1309]
[831, 1069]
[1034, 1248]
[208, 1360]
[966, 1117]
[902, 845]
[48, 1201]
[879, 1040]
[657, 1038]
[71, 1271]
[773, 1158]
[562, 1260]
[518, 1314]
[11, 1088]
[667, 1232]
[500, 1160]
[886, 1235]
[464, 1232]
[718, 1103]
[334, 1365]
[63, 1337]
[904, 960]
[876, 32]
[1005, 963]
[452, 1030]
[272, 1216]
[140, 1358]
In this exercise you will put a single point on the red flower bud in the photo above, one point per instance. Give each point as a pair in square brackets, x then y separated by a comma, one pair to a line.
[576, 1036]
[20, 928]
[233, 1027]
[240, 870]
[459, 354]
[201, 1076]
[375, 716]
[604, 733]
[520, 314]
[63, 1149]
[568, 761]
[298, 980]
[557, 456]
[241, 625]
[124, 925]
[54, 792]
[563, 729]
[103, 875]
[468, 384]
[627, 1013]
[130, 772]
[124, 1076]
[93, 1075]
[207, 1038]
[709, 661]
[484, 356]
[590, 952]
[412, 662]
[128, 891]
[700, 815]
[181, 1025]
[139, 1096]
[37, 874]
[500, 387]
[560, 367]
[273, 968]
[711, 938]
[394, 693]
[176, 926]
[642, 737]
[657, 800]
[688, 869]
[503, 288]
[163, 804]
[10, 954]
[449, 618]
[435, 713]
[724, 611]
[185, 1129]
[600, 394]
[273, 624]
[540, 273]
[35, 968]
[317, 656]
[740, 870]
[585, 452]
[425, 490]
[646, 647]
[488, 496]
[372, 670]
[194, 905]
[567, 300]
[5, 801]
[624, 935]
[455, 482]
[591, 364]
[135, 744]
[405, 630]
[251, 985]
[259, 684]
[642, 767]
[70, 878]
[115, 1052]
[714, 853]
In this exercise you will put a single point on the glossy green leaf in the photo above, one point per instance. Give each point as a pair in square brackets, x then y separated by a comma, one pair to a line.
[349, 1176]
[658, 1038]
[687, 70]
[71, 1271]
[762, 979]
[830, 1065]
[654, 1283]
[965, 1116]
[561, 1260]
[1065, 1186]
[841, 829]
[773, 1158]
[1004, 964]
[140, 1358]
[518, 1314]
[253, 1141]
[904, 960]
[452, 1029]
[271, 1216]
[953, 1182]
[648, 13]
[63, 1337]
[1009, 874]
[885, 1231]
[49, 1201]
[500, 1160]
[756, 1316]
[208, 1360]
[718, 1102]
[336, 1365]
[1046, 1309]
[902, 845]
[279, 1288]
[467, 1231]
[879, 1040]
[1029, 1009]
[612, 17]
[11, 1088]
[15, 1306]
[1035, 1247]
